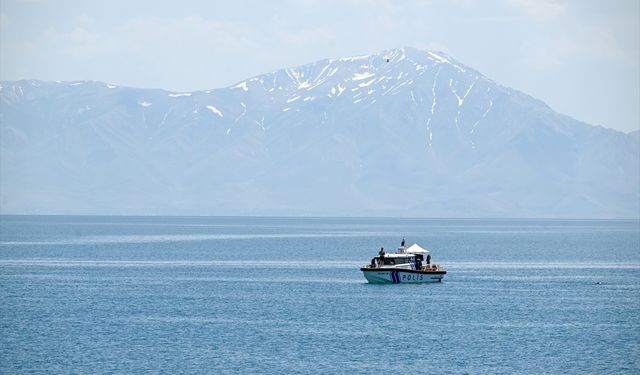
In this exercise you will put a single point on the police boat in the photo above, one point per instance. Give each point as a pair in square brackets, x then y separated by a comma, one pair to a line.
[407, 265]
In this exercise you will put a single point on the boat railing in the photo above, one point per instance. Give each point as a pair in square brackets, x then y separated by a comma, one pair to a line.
[424, 268]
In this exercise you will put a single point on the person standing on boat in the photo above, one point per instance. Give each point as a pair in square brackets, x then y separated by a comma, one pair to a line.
[428, 258]
[402, 243]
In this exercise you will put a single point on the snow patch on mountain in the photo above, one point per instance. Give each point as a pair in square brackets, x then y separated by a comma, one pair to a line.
[215, 110]
[241, 85]
[361, 76]
[365, 84]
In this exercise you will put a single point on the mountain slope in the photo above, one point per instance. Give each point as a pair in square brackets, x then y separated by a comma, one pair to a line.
[400, 133]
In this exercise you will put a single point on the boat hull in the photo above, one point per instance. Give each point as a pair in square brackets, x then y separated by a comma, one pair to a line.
[401, 276]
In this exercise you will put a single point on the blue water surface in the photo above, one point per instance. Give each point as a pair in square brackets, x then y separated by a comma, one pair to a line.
[81, 294]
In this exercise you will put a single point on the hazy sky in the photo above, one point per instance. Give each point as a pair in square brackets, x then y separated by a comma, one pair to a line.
[579, 56]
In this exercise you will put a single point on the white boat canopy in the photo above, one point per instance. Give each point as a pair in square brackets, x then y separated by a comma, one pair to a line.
[416, 249]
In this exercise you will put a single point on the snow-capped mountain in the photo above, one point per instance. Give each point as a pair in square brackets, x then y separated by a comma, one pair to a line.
[402, 132]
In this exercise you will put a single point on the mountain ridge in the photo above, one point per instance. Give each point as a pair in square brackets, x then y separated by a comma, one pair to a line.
[343, 131]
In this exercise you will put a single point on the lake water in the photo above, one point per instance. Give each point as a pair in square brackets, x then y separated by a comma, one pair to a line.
[285, 295]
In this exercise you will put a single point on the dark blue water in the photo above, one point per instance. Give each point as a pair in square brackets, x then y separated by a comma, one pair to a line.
[276, 295]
